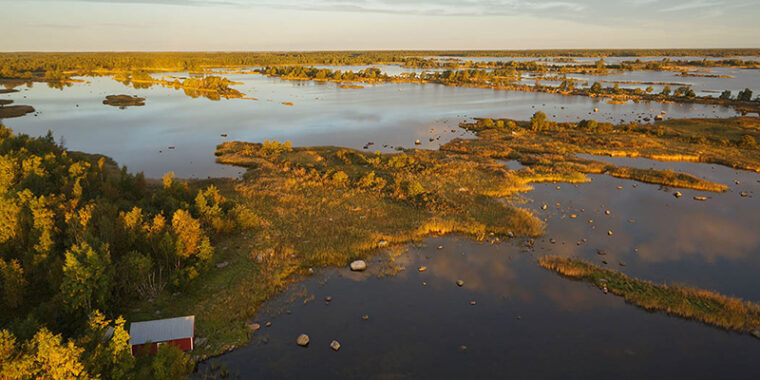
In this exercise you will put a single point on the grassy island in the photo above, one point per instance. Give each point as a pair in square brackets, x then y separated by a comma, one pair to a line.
[701, 305]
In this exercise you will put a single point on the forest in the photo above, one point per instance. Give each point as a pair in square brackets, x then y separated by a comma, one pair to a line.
[20, 65]
[82, 242]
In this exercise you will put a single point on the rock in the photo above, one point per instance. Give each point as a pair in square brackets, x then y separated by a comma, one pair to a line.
[473, 303]
[596, 109]
[609, 233]
[335, 345]
[268, 324]
[543, 207]
[254, 326]
[222, 264]
[440, 247]
[755, 333]
[417, 142]
[460, 283]
[607, 212]
[700, 198]
[622, 263]
[601, 252]
[658, 117]
[328, 299]
[422, 269]
[677, 194]
[365, 317]
[302, 340]
[358, 266]
[743, 194]
[573, 216]
[382, 243]
[510, 234]
[463, 348]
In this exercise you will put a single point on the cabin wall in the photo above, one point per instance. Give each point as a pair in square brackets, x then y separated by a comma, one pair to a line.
[185, 344]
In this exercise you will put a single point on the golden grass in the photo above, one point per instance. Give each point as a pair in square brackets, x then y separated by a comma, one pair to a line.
[691, 303]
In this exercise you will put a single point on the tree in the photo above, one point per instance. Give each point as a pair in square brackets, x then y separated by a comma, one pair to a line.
[538, 121]
[106, 348]
[666, 91]
[87, 278]
[744, 96]
[725, 95]
[169, 363]
[45, 357]
[12, 284]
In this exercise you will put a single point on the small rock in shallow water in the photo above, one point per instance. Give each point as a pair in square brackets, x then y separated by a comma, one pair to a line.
[422, 269]
[755, 333]
[460, 283]
[463, 348]
[268, 324]
[358, 265]
[328, 299]
[677, 194]
[254, 326]
[365, 317]
[335, 345]
[303, 340]
[700, 198]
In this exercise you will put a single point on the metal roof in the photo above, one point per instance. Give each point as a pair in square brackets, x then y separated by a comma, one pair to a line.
[161, 330]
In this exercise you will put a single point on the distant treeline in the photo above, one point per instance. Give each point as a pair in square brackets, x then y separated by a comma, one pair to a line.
[32, 65]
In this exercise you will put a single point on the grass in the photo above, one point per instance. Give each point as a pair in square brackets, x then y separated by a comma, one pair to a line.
[691, 303]
[668, 177]
[554, 149]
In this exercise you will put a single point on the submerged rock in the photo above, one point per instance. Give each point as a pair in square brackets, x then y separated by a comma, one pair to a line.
[677, 194]
[335, 345]
[358, 266]
[460, 283]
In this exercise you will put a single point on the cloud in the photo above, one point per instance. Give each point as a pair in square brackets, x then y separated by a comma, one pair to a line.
[691, 5]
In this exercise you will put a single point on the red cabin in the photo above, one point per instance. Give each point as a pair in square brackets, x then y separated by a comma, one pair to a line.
[149, 335]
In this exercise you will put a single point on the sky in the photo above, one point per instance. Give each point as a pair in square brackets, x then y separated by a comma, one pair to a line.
[279, 25]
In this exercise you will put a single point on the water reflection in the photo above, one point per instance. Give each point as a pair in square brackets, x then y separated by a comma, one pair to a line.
[526, 323]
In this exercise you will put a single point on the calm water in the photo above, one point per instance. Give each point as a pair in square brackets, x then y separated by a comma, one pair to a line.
[389, 115]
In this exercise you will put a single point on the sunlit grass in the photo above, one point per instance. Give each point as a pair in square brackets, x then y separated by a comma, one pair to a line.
[702, 305]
